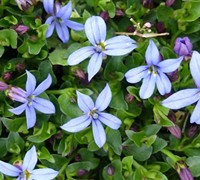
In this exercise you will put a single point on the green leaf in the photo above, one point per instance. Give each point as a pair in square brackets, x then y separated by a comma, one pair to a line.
[136, 137]
[3, 149]
[108, 6]
[13, 124]
[44, 154]
[57, 57]
[2, 49]
[164, 13]
[194, 165]
[159, 144]
[8, 37]
[152, 129]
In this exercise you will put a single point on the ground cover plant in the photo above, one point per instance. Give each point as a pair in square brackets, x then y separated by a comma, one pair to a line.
[99, 89]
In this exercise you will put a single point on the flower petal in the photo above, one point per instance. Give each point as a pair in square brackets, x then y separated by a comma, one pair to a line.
[74, 25]
[62, 31]
[109, 120]
[18, 110]
[49, 6]
[77, 124]
[170, 65]
[30, 83]
[94, 65]
[43, 86]
[104, 98]
[182, 98]
[65, 11]
[51, 26]
[85, 102]
[43, 105]
[30, 117]
[163, 84]
[30, 160]
[98, 133]
[80, 55]
[95, 29]
[44, 173]
[195, 67]
[152, 54]
[136, 74]
[9, 170]
[195, 117]
[119, 45]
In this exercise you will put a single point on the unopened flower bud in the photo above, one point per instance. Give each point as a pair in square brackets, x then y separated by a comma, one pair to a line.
[130, 29]
[81, 75]
[173, 76]
[191, 132]
[3, 86]
[148, 3]
[175, 131]
[129, 98]
[77, 157]
[183, 171]
[169, 3]
[21, 29]
[119, 13]
[7, 76]
[160, 27]
[110, 170]
[81, 172]
[20, 67]
[104, 15]
[25, 4]
[183, 46]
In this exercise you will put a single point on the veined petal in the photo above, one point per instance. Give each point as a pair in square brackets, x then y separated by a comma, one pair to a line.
[94, 65]
[182, 98]
[74, 25]
[77, 124]
[104, 98]
[62, 31]
[195, 117]
[49, 20]
[98, 133]
[49, 6]
[152, 54]
[44, 173]
[85, 102]
[9, 170]
[30, 83]
[30, 160]
[148, 86]
[65, 11]
[43, 86]
[18, 110]
[119, 45]
[109, 120]
[163, 84]
[80, 55]
[50, 28]
[95, 29]
[170, 65]
[43, 105]
[195, 67]
[30, 117]
[136, 74]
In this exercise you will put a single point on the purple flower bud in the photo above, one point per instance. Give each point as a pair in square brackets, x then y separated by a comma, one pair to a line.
[129, 98]
[148, 4]
[160, 26]
[119, 13]
[104, 15]
[3, 86]
[20, 67]
[25, 4]
[183, 171]
[81, 172]
[191, 132]
[110, 170]
[173, 76]
[77, 157]
[130, 29]
[175, 131]
[21, 29]
[183, 46]
[7, 76]
[81, 75]
[169, 3]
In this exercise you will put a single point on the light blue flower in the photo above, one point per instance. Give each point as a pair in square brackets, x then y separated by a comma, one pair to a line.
[153, 74]
[30, 100]
[59, 19]
[95, 29]
[26, 171]
[93, 114]
[186, 97]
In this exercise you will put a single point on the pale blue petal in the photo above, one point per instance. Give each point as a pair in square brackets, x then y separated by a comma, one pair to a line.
[30, 117]
[9, 170]
[62, 31]
[98, 133]
[195, 67]
[85, 102]
[136, 74]
[30, 83]
[195, 117]
[104, 98]
[80, 55]
[148, 86]
[182, 98]
[74, 25]
[109, 120]
[51, 27]
[163, 83]
[44, 174]
[30, 159]
[43, 86]
[152, 54]
[119, 45]
[49, 6]
[43, 105]
[170, 65]
[18, 110]
[77, 124]
[65, 11]
[95, 29]
[94, 65]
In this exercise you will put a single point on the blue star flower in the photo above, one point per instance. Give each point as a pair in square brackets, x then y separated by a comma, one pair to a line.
[59, 19]
[95, 29]
[186, 97]
[153, 73]
[30, 100]
[25, 171]
[93, 114]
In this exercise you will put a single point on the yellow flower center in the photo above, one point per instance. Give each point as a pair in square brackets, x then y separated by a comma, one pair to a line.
[93, 113]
